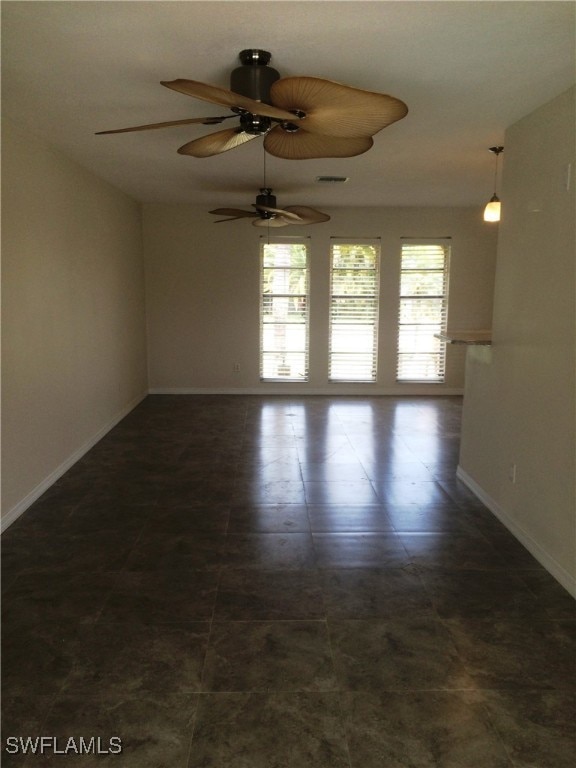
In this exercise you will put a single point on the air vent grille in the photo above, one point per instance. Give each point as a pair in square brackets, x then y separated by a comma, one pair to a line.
[331, 179]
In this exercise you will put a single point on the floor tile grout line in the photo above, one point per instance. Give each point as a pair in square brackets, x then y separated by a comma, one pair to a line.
[339, 696]
[201, 681]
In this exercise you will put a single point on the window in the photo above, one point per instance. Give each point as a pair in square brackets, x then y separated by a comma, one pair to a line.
[284, 310]
[423, 311]
[354, 280]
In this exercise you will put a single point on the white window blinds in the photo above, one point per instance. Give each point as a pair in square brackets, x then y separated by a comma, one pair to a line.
[354, 282]
[423, 310]
[284, 310]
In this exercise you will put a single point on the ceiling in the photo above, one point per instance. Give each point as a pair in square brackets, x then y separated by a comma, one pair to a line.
[466, 70]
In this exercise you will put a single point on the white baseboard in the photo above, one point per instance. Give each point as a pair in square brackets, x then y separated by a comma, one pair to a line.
[296, 390]
[18, 509]
[548, 562]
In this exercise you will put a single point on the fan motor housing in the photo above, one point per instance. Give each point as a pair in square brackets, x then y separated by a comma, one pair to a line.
[267, 199]
[255, 125]
[254, 78]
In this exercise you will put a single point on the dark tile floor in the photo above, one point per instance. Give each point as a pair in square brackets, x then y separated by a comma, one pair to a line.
[270, 582]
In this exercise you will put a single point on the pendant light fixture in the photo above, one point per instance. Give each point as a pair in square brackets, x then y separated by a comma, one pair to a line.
[492, 210]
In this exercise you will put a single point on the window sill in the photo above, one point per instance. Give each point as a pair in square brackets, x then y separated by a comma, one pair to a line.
[465, 337]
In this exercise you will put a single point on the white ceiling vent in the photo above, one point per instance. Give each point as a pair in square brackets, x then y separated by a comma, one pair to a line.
[331, 179]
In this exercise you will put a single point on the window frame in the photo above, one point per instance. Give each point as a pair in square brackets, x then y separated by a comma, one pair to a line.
[438, 348]
[374, 324]
[266, 242]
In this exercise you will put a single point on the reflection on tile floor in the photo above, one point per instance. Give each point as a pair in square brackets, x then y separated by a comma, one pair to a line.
[274, 582]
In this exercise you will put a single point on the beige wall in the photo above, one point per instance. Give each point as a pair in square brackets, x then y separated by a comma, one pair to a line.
[202, 294]
[520, 395]
[73, 331]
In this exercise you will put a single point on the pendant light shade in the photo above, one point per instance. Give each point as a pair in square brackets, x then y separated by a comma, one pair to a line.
[492, 210]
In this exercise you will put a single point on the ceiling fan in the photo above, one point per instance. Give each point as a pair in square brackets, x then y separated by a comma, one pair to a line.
[300, 117]
[267, 214]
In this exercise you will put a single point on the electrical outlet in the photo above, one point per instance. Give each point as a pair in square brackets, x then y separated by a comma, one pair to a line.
[236, 367]
[512, 474]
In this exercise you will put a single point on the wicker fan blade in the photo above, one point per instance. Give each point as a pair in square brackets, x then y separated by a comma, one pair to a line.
[228, 218]
[307, 215]
[334, 109]
[216, 143]
[236, 213]
[277, 222]
[226, 98]
[301, 145]
[279, 212]
[152, 126]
